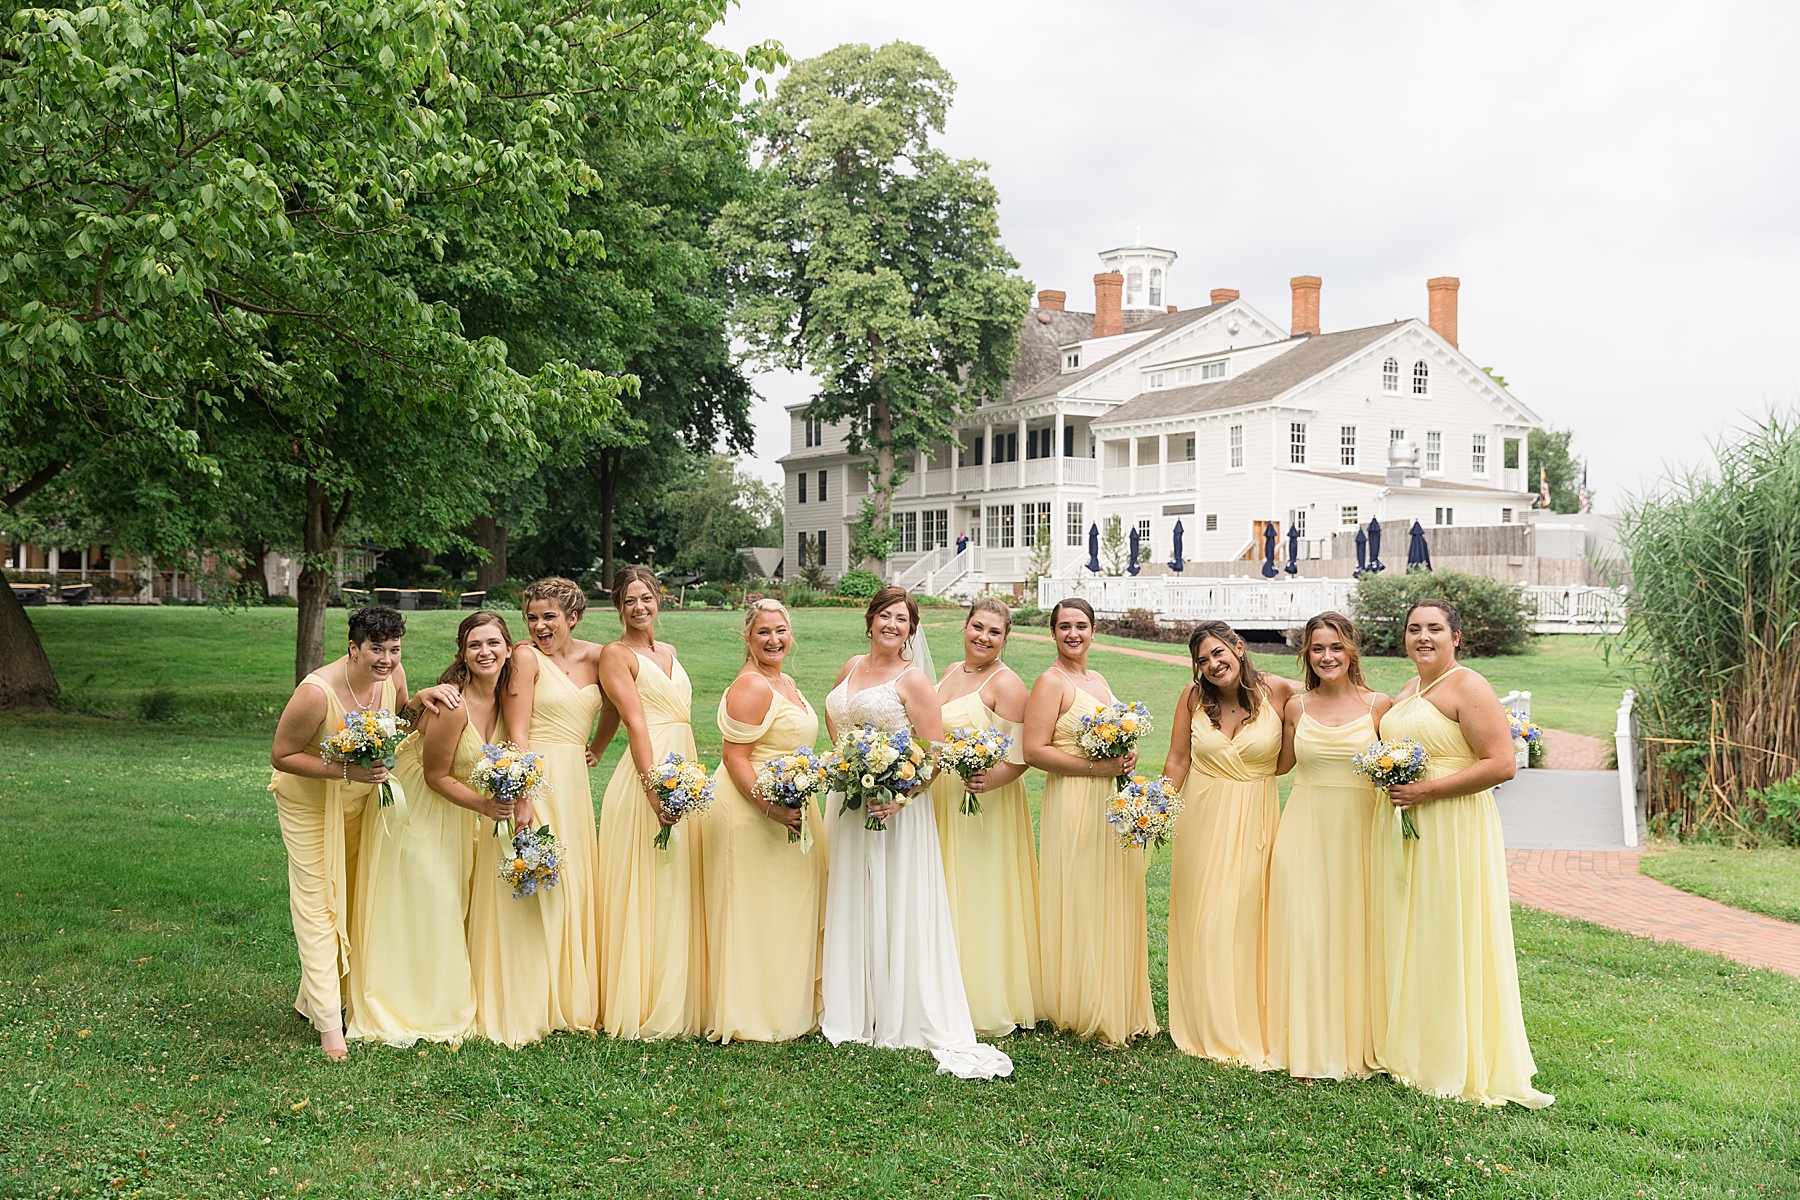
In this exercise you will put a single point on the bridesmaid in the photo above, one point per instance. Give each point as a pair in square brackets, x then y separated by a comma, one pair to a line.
[1455, 1028]
[1327, 989]
[1092, 927]
[551, 703]
[990, 864]
[1223, 757]
[410, 978]
[765, 893]
[319, 805]
[652, 913]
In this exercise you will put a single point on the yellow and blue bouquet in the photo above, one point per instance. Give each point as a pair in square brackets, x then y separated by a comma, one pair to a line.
[971, 751]
[508, 774]
[1389, 764]
[1143, 812]
[682, 789]
[1112, 730]
[535, 862]
[872, 766]
[369, 736]
[790, 780]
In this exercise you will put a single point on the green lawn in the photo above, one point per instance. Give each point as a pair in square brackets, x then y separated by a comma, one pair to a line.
[146, 1047]
[1765, 880]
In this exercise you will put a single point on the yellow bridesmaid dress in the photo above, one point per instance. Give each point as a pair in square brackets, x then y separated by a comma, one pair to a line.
[652, 912]
[562, 721]
[410, 978]
[991, 872]
[765, 895]
[1327, 987]
[1092, 930]
[321, 827]
[1218, 890]
[1455, 1027]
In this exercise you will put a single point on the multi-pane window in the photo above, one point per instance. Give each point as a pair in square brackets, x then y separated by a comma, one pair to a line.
[1348, 515]
[1036, 519]
[1134, 288]
[803, 549]
[908, 524]
[1212, 522]
[1445, 516]
[802, 478]
[1434, 451]
[1185, 375]
[1072, 360]
[820, 544]
[1212, 370]
[1188, 447]
[1297, 443]
[1002, 526]
[1390, 375]
[1156, 380]
[1347, 446]
[1156, 287]
[1478, 453]
[1143, 528]
[1421, 379]
[936, 532]
[1396, 435]
[813, 431]
[821, 485]
[1235, 439]
[1075, 527]
[1297, 520]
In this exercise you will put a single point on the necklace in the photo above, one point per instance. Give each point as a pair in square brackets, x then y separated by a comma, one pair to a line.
[359, 701]
[1085, 674]
[978, 670]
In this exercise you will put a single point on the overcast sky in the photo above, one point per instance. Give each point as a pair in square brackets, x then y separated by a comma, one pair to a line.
[1616, 185]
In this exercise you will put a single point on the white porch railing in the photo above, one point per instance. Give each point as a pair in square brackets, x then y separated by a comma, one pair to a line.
[1180, 476]
[1589, 609]
[913, 576]
[1625, 740]
[1080, 470]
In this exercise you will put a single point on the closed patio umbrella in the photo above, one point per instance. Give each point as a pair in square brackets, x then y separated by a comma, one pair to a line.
[1293, 567]
[1132, 567]
[1418, 554]
[1362, 552]
[1269, 569]
[1175, 564]
[1093, 562]
[1375, 563]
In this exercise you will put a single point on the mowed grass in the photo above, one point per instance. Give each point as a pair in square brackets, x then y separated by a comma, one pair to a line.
[146, 1044]
[1764, 880]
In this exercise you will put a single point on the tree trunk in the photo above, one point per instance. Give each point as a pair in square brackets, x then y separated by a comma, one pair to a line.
[882, 489]
[256, 569]
[26, 679]
[320, 538]
[490, 535]
[608, 494]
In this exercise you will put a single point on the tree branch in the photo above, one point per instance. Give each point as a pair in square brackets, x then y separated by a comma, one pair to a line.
[32, 486]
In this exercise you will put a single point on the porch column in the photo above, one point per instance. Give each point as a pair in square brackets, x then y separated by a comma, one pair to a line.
[955, 455]
[1131, 464]
[1162, 465]
[1057, 447]
[987, 457]
[1019, 466]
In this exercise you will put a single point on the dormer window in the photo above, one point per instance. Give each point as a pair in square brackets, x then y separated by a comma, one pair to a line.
[1134, 288]
[1212, 370]
[1156, 287]
[1072, 360]
[1390, 376]
[1156, 380]
[1185, 375]
[1421, 379]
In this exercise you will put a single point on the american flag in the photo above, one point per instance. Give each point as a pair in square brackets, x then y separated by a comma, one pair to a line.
[1543, 487]
[1583, 495]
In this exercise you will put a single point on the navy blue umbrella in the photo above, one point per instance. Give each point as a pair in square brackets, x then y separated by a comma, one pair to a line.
[1375, 563]
[1269, 535]
[1175, 564]
[1093, 562]
[1362, 551]
[1132, 568]
[1293, 567]
[1418, 554]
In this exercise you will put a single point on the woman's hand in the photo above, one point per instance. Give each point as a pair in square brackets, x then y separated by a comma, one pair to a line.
[1128, 761]
[524, 814]
[978, 782]
[374, 774]
[881, 812]
[781, 814]
[1406, 795]
[593, 758]
[440, 696]
[496, 810]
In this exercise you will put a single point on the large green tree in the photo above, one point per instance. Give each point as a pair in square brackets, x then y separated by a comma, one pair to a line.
[1549, 448]
[873, 260]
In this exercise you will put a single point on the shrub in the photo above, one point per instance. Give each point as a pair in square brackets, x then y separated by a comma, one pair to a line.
[1032, 617]
[505, 595]
[1496, 615]
[1780, 805]
[857, 584]
[797, 595]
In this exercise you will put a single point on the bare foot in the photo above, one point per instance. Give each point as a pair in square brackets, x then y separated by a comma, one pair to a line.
[332, 1042]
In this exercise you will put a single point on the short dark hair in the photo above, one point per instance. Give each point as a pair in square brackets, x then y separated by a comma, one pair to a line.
[1074, 602]
[1452, 618]
[376, 623]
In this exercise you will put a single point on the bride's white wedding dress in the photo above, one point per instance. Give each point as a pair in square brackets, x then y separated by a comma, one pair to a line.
[892, 978]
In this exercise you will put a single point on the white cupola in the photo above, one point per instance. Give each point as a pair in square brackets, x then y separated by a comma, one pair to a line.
[1146, 272]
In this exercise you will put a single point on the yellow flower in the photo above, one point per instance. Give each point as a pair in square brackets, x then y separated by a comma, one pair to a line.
[1129, 725]
[907, 771]
[1385, 762]
[518, 864]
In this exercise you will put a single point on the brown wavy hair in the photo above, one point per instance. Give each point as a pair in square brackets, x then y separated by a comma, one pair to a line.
[1205, 695]
[887, 596]
[566, 594]
[624, 577]
[458, 672]
[1076, 603]
[1345, 628]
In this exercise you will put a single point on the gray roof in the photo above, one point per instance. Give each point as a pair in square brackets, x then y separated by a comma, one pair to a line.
[1155, 327]
[1258, 385]
[1425, 485]
[1046, 332]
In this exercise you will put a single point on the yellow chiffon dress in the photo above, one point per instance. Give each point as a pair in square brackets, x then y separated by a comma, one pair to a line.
[1455, 1026]
[991, 871]
[1218, 890]
[1327, 987]
[321, 827]
[652, 911]
[1092, 930]
[765, 895]
[410, 978]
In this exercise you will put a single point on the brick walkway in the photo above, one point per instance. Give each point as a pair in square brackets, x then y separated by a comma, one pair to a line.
[1604, 887]
[1576, 752]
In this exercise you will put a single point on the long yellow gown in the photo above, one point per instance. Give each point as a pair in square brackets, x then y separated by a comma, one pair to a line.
[652, 911]
[765, 895]
[1092, 930]
[1455, 1026]
[1327, 987]
[410, 978]
[991, 872]
[562, 721]
[321, 827]
[1218, 890]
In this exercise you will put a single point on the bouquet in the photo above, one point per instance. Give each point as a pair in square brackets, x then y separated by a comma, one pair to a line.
[873, 766]
[1387, 764]
[1144, 811]
[970, 751]
[507, 773]
[1111, 730]
[682, 789]
[535, 862]
[369, 736]
[1527, 735]
[789, 780]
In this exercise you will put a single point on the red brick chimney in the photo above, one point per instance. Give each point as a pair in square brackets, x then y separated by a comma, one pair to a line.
[1306, 304]
[1442, 294]
[1224, 295]
[1109, 315]
[1050, 298]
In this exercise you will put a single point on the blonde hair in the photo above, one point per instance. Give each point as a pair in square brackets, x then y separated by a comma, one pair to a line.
[566, 594]
[755, 609]
[990, 604]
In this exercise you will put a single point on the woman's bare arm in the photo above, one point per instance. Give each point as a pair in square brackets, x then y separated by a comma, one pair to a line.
[1485, 728]
[515, 702]
[1181, 741]
[618, 675]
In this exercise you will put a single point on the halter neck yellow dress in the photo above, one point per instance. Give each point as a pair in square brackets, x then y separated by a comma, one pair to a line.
[1327, 994]
[1455, 1027]
[991, 871]
[652, 911]
[1092, 928]
[321, 827]
[765, 895]
[410, 978]
[1218, 889]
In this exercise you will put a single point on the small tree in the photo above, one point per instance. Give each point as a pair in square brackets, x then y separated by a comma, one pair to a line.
[1112, 545]
[1496, 615]
[1549, 449]
[1039, 565]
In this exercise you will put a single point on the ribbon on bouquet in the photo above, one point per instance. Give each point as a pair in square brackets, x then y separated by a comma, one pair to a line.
[806, 837]
[392, 798]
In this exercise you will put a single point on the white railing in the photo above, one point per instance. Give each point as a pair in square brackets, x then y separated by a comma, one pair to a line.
[913, 576]
[1625, 740]
[1116, 481]
[1146, 480]
[1584, 608]
[1180, 477]
[1040, 470]
[910, 487]
[937, 482]
[1080, 470]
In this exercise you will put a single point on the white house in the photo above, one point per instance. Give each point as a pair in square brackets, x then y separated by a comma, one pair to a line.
[1214, 417]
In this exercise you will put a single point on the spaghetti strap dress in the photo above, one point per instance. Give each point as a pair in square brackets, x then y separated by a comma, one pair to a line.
[1093, 929]
[1455, 1025]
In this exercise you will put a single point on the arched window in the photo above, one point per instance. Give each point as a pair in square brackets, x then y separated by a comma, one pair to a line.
[1134, 288]
[1390, 375]
[1156, 287]
[1421, 379]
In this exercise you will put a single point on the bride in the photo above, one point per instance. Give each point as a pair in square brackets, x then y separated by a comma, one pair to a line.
[891, 974]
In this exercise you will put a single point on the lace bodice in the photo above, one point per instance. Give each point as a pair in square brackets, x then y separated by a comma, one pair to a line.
[879, 706]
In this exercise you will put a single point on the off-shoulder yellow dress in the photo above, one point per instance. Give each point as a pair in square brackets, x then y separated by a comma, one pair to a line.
[1327, 985]
[652, 911]
[765, 895]
[321, 827]
[1218, 889]
[410, 978]
[1455, 1026]
[562, 721]
[991, 872]
[1092, 928]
